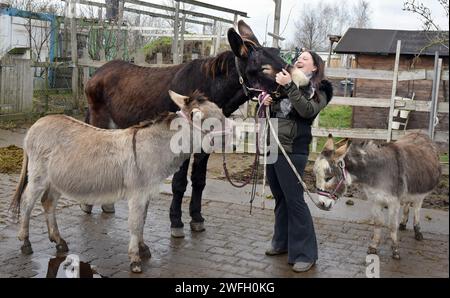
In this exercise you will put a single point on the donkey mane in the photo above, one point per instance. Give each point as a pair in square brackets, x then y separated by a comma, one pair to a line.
[163, 117]
[396, 158]
[217, 64]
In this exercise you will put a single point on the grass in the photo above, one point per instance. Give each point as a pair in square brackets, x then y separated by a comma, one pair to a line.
[334, 117]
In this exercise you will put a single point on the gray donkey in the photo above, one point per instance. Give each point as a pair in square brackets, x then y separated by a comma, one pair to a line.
[392, 174]
[66, 157]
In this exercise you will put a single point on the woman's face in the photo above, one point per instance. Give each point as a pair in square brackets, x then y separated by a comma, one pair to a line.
[306, 63]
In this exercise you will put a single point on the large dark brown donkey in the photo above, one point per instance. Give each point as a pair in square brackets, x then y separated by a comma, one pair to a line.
[121, 94]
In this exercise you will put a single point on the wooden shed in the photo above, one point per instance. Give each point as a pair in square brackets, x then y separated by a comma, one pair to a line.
[375, 49]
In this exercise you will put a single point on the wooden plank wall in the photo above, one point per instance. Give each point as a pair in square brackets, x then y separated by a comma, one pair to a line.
[371, 117]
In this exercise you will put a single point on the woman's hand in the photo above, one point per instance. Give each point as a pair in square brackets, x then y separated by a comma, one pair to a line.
[267, 100]
[283, 77]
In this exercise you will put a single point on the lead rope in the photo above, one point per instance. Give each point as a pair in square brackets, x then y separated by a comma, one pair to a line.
[305, 188]
[266, 126]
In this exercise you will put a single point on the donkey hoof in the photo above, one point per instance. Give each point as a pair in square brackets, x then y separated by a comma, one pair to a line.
[62, 247]
[177, 232]
[197, 226]
[418, 236]
[372, 251]
[86, 208]
[26, 248]
[144, 252]
[108, 208]
[135, 267]
[396, 256]
[402, 227]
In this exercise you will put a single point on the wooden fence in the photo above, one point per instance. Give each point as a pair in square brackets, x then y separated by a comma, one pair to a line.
[16, 85]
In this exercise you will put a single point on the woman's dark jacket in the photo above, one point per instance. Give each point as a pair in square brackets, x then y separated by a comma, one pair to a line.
[294, 129]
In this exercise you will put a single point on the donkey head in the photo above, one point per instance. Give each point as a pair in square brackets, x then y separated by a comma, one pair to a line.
[197, 106]
[258, 65]
[205, 116]
[331, 175]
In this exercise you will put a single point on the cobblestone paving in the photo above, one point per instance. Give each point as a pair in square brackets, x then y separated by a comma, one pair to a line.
[233, 245]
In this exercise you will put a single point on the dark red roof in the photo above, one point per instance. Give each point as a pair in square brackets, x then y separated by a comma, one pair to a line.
[384, 42]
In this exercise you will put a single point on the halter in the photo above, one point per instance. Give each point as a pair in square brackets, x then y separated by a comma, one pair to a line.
[332, 195]
[241, 79]
[211, 134]
[247, 89]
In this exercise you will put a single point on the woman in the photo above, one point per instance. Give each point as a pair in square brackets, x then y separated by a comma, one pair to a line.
[308, 93]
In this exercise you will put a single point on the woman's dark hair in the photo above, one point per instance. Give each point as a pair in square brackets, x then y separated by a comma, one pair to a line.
[319, 74]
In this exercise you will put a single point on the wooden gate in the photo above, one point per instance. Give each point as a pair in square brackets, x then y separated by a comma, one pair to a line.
[16, 85]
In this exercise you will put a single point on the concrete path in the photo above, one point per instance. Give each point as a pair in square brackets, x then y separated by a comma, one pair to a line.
[233, 244]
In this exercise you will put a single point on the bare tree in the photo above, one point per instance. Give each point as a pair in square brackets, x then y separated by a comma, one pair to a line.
[342, 19]
[437, 36]
[312, 29]
[361, 14]
[323, 19]
[308, 33]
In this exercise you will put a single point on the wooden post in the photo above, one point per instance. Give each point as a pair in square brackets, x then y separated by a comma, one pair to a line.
[27, 83]
[137, 34]
[394, 90]
[276, 23]
[85, 57]
[120, 39]
[99, 34]
[211, 50]
[139, 57]
[65, 52]
[46, 87]
[218, 37]
[314, 140]
[159, 58]
[183, 28]
[74, 53]
[435, 95]
[329, 54]
[175, 33]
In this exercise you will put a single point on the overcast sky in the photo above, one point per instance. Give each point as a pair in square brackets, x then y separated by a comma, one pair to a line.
[386, 14]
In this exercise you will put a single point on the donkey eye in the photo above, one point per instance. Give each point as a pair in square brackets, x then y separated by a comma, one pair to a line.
[328, 178]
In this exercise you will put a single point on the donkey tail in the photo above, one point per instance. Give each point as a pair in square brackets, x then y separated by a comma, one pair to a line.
[23, 180]
[87, 118]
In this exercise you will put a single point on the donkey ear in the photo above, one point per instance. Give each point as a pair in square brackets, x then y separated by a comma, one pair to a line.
[341, 151]
[237, 44]
[247, 34]
[341, 142]
[328, 148]
[178, 99]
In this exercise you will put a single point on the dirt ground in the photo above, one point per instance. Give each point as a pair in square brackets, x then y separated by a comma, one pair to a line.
[239, 167]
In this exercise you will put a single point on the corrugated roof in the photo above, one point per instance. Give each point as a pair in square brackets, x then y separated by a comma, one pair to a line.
[381, 41]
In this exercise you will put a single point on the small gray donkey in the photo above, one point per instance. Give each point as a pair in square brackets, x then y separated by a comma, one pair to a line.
[64, 157]
[392, 174]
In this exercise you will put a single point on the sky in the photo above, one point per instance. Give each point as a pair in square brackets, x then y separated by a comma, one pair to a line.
[386, 14]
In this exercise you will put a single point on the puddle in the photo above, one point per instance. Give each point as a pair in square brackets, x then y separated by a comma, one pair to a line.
[68, 266]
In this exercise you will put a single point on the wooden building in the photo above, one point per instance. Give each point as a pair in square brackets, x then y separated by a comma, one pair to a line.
[375, 49]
